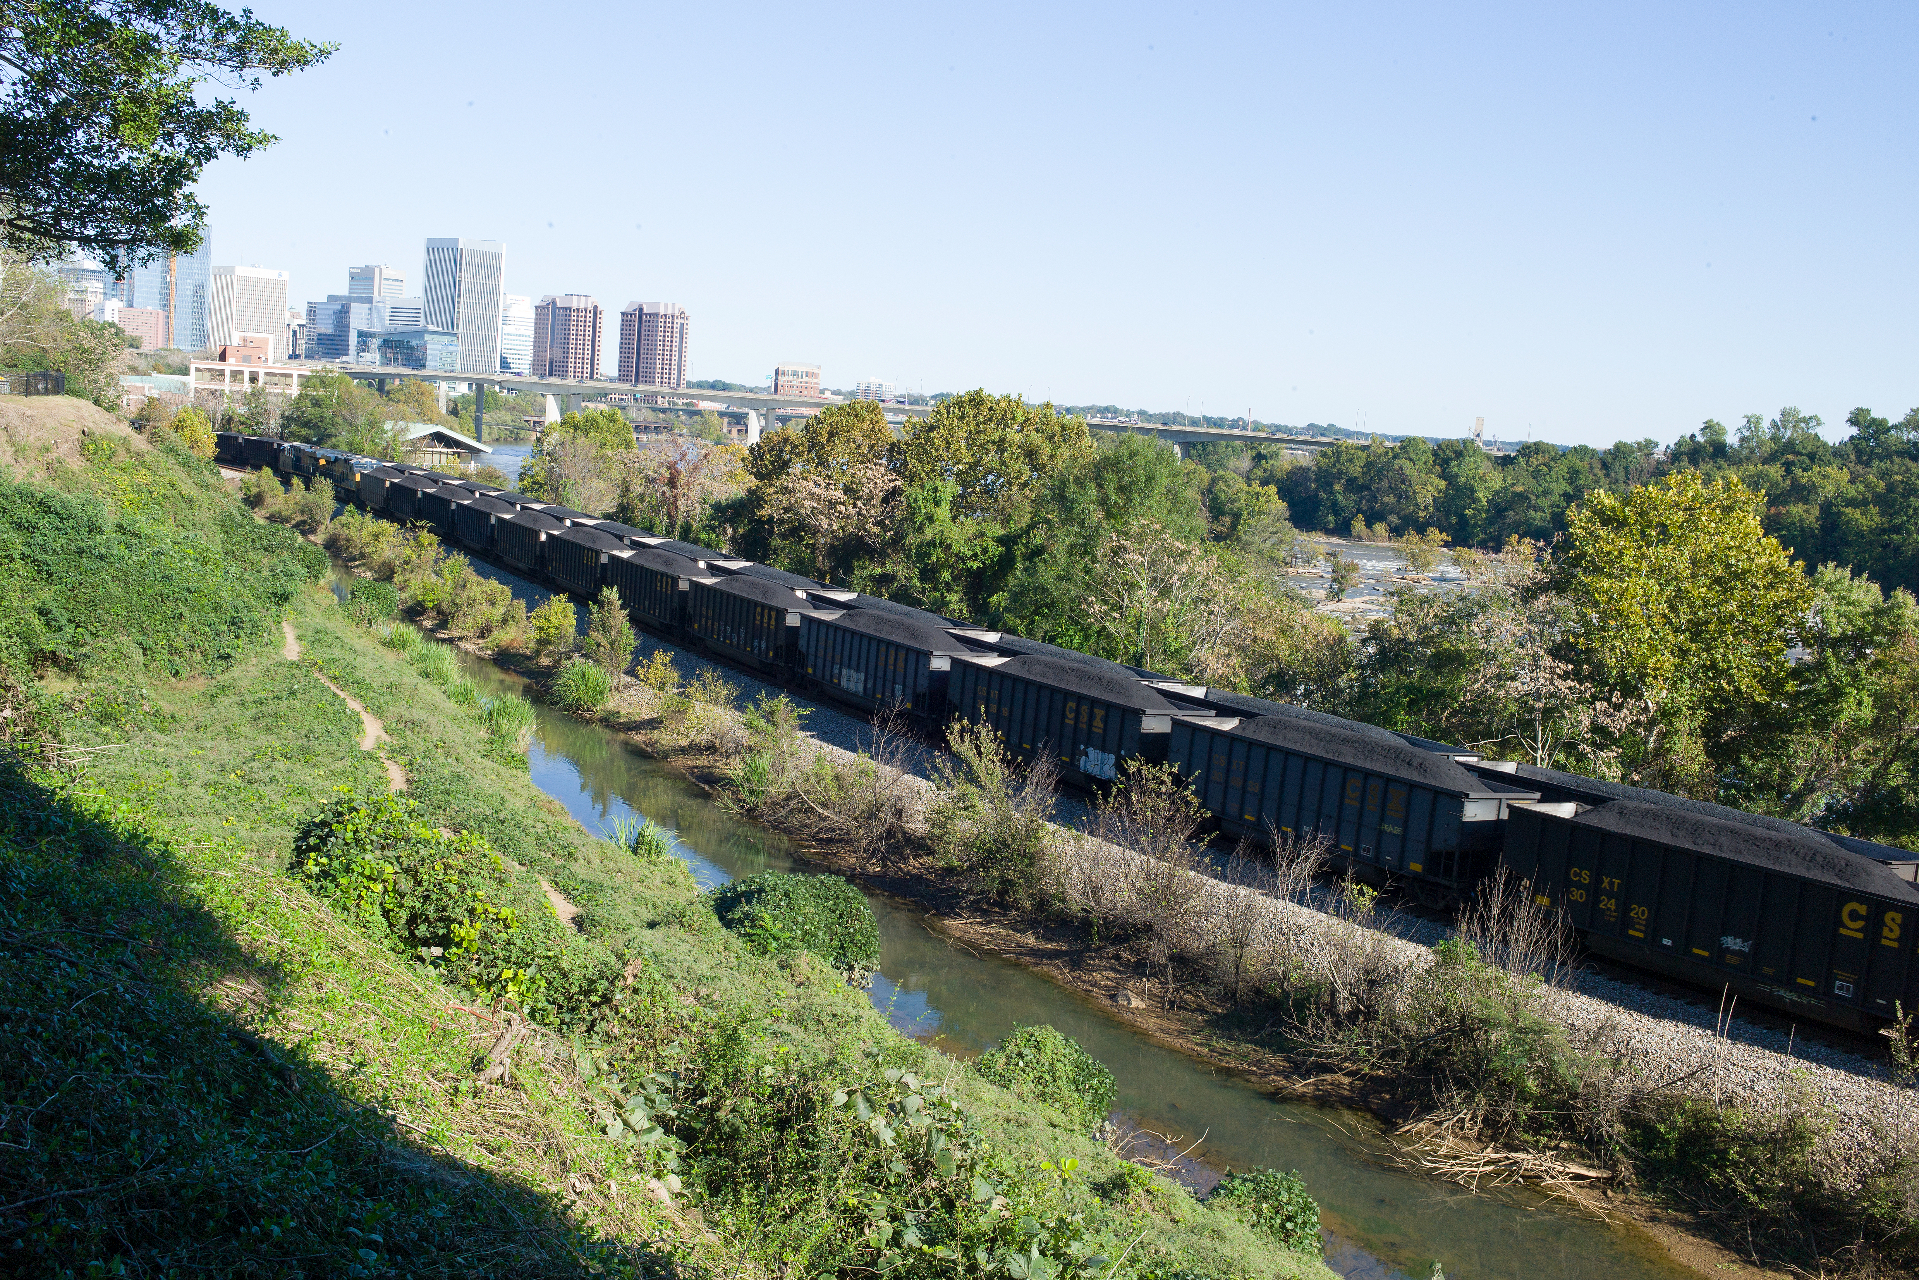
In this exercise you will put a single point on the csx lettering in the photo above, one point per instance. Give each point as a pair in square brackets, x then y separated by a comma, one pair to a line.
[1889, 934]
[1609, 882]
[1853, 916]
[1580, 874]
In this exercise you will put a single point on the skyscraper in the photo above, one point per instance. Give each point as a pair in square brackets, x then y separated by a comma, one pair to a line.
[566, 337]
[248, 300]
[463, 290]
[653, 344]
[375, 281]
[516, 333]
[178, 286]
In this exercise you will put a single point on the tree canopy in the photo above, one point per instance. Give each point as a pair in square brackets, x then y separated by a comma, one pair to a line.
[102, 131]
[1679, 592]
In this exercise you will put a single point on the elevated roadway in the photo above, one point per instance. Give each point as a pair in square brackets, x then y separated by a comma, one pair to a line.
[573, 393]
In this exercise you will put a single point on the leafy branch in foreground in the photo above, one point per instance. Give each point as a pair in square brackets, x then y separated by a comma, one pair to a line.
[102, 134]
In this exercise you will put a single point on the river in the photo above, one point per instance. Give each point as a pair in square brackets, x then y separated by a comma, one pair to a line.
[1380, 1223]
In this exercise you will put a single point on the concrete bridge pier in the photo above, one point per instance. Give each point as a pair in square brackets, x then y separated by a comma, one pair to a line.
[552, 409]
[753, 427]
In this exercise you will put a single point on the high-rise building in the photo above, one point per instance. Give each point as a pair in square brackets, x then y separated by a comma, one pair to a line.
[333, 327]
[463, 290]
[375, 281]
[149, 324]
[796, 380]
[516, 333]
[178, 285]
[874, 389]
[248, 300]
[653, 344]
[566, 337]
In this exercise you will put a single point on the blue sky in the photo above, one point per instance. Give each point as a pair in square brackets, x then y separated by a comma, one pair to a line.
[1584, 225]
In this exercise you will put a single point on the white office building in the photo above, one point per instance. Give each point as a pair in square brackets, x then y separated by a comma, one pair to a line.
[873, 389]
[516, 333]
[375, 281]
[463, 293]
[248, 300]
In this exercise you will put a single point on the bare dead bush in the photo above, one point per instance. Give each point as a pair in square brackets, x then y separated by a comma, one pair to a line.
[866, 803]
[1509, 927]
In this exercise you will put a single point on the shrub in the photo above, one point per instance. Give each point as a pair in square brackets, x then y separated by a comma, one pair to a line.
[371, 601]
[194, 430]
[261, 489]
[555, 624]
[581, 689]
[448, 901]
[772, 759]
[609, 635]
[1274, 1202]
[442, 898]
[403, 637]
[1051, 1070]
[992, 819]
[310, 506]
[645, 839]
[437, 663]
[658, 673]
[509, 718]
[777, 914]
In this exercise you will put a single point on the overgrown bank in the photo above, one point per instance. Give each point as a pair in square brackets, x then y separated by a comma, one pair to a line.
[254, 990]
[1774, 1164]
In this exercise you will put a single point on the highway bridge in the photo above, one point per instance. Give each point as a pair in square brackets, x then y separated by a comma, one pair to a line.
[759, 407]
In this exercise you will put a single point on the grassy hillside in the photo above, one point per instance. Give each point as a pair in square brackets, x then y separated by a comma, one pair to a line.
[229, 1059]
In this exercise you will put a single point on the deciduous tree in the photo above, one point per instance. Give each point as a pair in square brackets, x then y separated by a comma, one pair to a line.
[106, 121]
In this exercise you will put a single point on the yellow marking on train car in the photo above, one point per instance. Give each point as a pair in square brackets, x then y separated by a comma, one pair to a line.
[1414, 866]
[1805, 982]
[1630, 932]
[1696, 951]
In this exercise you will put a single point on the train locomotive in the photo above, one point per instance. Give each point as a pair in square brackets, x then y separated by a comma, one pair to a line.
[1817, 925]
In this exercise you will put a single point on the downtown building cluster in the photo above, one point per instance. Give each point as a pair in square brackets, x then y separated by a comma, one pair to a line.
[459, 320]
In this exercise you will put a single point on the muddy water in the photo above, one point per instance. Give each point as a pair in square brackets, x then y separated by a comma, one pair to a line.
[1380, 1222]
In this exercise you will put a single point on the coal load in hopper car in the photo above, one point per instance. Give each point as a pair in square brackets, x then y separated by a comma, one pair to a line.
[653, 585]
[1086, 717]
[403, 496]
[518, 539]
[228, 447]
[373, 484]
[473, 522]
[436, 507]
[749, 620]
[258, 451]
[879, 661]
[575, 555]
[1385, 807]
[1782, 913]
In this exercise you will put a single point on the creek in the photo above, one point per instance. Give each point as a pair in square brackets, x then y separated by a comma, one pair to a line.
[1381, 1223]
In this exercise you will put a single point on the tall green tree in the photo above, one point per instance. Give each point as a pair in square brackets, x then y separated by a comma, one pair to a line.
[996, 451]
[1681, 596]
[107, 120]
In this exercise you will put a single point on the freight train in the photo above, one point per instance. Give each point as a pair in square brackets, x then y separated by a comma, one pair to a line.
[1796, 918]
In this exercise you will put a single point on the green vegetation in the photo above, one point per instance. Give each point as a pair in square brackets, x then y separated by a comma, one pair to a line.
[580, 688]
[1051, 1070]
[609, 638]
[105, 135]
[246, 1054]
[448, 901]
[1277, 1203]
[130, 568]
[777, 914]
